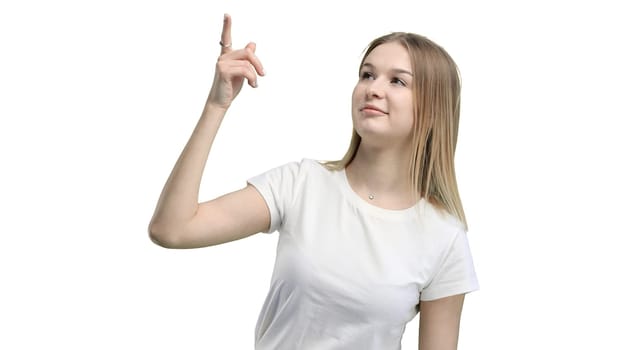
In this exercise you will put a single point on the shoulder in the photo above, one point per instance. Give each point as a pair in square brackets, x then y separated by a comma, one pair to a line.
[292, 174]
[438, 218]
[439, 228]
[453, 271]
[301, 165]
[313, 164]
[305, 168]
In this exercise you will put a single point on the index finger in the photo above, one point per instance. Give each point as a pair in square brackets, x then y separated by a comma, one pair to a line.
[225, 37]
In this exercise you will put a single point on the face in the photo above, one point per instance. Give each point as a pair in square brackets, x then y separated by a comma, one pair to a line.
[382, 102]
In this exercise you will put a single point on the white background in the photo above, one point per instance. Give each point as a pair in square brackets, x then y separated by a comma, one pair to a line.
[97, 100]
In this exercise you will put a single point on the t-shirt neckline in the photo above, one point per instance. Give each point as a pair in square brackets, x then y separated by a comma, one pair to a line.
[407, 213]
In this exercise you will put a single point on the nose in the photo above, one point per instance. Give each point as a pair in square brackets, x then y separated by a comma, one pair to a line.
[374, 89]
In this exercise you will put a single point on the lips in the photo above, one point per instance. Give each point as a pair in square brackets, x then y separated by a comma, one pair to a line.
[369, 108]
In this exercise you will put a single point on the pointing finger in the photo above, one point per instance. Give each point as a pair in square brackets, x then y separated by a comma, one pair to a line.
[225, 37]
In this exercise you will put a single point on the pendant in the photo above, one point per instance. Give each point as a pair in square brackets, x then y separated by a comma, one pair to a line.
[371, 196]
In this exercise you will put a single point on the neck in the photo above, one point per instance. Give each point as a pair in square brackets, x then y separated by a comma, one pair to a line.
[381, 174]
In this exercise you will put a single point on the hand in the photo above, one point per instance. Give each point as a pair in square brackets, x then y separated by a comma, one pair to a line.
[232, 68]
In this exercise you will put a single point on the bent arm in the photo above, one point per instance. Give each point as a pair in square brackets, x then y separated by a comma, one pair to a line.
[179, 198]
[439, 323]
[179, 221]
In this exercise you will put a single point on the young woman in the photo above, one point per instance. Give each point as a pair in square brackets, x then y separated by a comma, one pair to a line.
[365, 243]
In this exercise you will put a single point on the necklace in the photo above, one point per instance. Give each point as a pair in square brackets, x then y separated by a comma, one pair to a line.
[371, 196]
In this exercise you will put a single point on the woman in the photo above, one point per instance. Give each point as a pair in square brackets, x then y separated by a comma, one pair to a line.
[365, 242]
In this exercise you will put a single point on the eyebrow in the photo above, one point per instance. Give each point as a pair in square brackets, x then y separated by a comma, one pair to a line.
[395, 70]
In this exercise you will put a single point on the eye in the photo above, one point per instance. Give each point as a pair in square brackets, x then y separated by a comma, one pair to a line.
[398, 81]
[366, 75]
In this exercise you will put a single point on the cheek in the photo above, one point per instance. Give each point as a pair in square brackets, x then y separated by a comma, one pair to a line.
[357, 96]
[406, 109]
[355, 100]
[356, 92]
[407, 103]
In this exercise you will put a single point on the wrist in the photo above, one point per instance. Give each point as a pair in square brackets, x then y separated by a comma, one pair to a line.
[214, 109]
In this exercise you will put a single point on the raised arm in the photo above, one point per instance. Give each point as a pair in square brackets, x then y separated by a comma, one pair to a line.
[179, 220]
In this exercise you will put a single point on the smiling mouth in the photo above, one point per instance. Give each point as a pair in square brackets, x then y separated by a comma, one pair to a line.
[372, 111]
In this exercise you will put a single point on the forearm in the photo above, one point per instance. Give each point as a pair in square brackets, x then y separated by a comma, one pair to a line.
[178, 201]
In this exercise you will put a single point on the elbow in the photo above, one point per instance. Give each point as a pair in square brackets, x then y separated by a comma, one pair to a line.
[165, 238]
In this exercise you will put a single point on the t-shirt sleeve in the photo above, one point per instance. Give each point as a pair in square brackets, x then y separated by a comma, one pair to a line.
[456, 274]
[277, 187]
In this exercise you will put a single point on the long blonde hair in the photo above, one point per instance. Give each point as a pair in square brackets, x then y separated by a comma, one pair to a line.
[436, 100]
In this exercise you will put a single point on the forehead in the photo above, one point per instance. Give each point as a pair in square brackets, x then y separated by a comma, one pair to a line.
[391, 54]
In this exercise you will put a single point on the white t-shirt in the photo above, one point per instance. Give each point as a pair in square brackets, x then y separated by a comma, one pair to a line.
[348, 274]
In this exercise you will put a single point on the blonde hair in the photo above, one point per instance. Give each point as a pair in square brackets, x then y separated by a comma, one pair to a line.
[436, 100]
